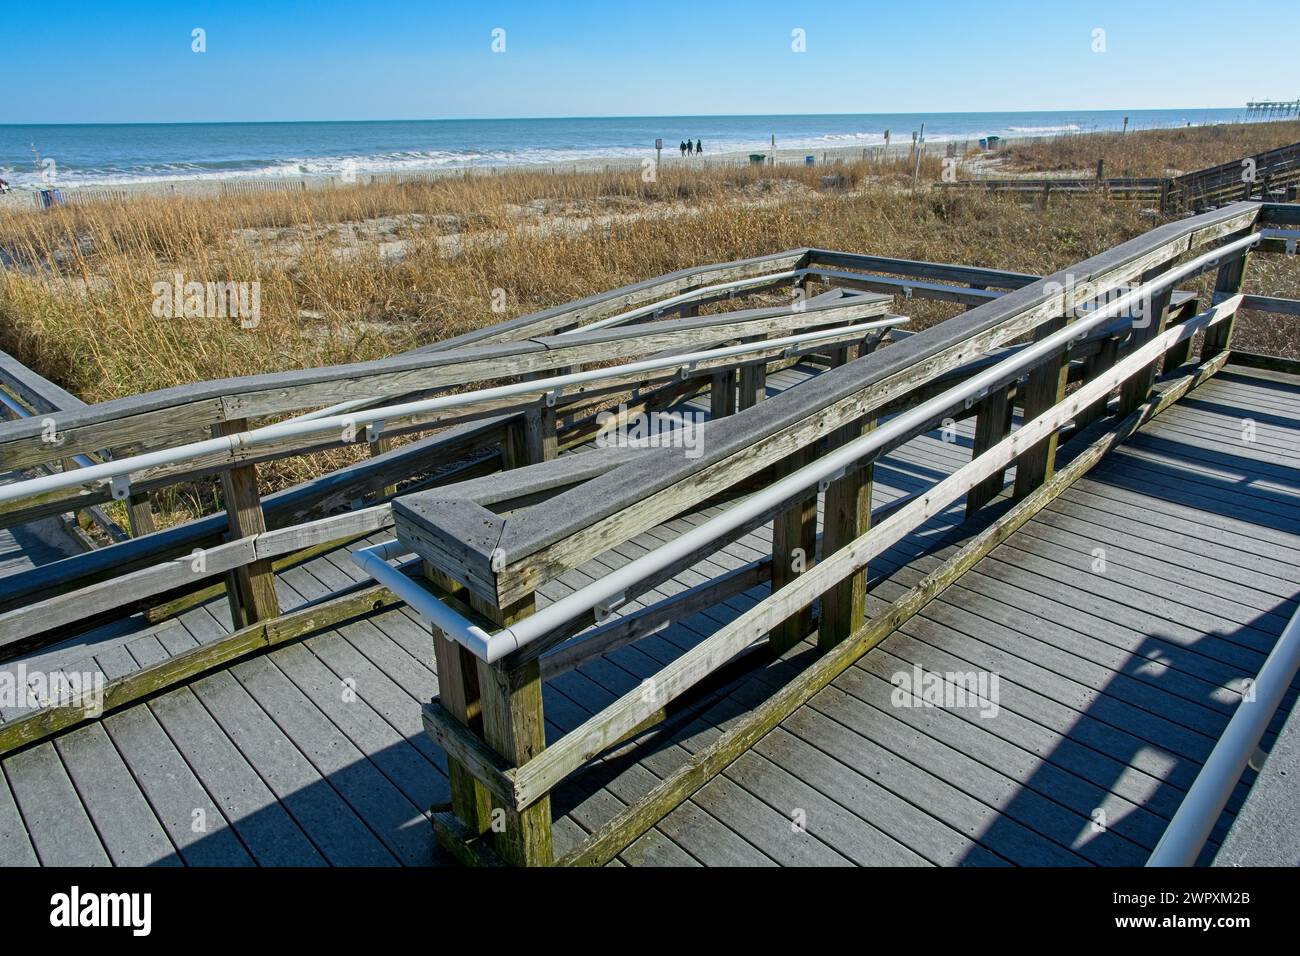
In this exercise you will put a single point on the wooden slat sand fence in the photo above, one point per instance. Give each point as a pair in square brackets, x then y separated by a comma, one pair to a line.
[1267, 175]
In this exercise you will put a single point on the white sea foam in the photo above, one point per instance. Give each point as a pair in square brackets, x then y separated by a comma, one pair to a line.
[1043, 130]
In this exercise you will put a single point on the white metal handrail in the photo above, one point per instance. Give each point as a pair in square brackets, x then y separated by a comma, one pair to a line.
[610, 590]
[301, 427]
[1183, 839]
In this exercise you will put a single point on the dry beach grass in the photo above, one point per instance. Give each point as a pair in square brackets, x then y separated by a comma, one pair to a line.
[1155, 152]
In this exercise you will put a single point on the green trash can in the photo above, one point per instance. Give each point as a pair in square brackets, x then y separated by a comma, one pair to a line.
[756, 159]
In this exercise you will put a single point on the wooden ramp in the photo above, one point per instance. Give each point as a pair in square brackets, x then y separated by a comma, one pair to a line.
[1114, 684]
[1113, 687]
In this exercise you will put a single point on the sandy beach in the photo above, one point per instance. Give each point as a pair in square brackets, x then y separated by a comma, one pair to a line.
[669, 160]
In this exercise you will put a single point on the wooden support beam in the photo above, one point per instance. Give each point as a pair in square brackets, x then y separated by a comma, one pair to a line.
[1181, 352]
[476, 762]
[1046, 387]
[380, 446]
[514, 726]
[458, 690]
[469, 848]
[139, 515]
[514, 445]
[753, 380]
[722, 394]
[1155, 314]
[1098, 364]
[250, 587]
[458, 696]
[846, 516]
[992, 424]
[1227, 283]
[541, 441]
[794, 549]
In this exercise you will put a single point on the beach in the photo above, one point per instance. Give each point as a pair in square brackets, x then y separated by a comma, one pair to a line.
[612, 164]
[115, 161]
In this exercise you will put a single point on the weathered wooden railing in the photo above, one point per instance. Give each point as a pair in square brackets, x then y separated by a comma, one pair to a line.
[156, 571]
[489, 544]
[538, 344]
[526, 422]
[1258, 176]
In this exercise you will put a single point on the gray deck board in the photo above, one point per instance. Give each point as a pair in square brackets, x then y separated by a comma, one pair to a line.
[131, 832]
[15, 845]
[1092, 778]
[60, 829]
[337, 832]
[196, 825]
[397, 821]
[263, 824]
[1178, 711]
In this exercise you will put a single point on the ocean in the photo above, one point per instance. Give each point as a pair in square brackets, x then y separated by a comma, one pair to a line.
[108, 154]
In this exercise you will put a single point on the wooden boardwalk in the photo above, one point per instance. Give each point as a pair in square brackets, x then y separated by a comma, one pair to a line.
[29, 545]
[1113, 686]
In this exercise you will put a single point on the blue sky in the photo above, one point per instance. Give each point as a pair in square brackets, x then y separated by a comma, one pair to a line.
[132, 61]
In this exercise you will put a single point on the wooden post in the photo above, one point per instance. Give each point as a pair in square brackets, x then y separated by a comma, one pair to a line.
[531, 438]
[540, 438]
[1046, 387]
[1094, 365]
[1135, 391]
[1179, 354]
[992, 424]
[1218, 337]
[250, 588]
[753, 380]
[514, 726]
[378, 447]
[794, 549]
[722, 394]
[847, 516]
[514, 444]
[459, 695]
[139, 514]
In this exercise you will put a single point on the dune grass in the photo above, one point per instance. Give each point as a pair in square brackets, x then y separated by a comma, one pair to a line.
[1157, 152]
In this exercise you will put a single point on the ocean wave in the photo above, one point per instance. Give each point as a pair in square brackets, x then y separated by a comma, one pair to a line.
[1039, 130]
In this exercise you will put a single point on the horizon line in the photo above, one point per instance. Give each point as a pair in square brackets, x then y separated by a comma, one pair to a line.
[627, 116]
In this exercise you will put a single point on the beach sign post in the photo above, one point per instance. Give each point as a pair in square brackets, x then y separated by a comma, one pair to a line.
[659, 149]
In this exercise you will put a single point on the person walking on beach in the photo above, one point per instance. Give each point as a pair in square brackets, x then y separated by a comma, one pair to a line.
[682, 146]
[689, 148]
[699, 148]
